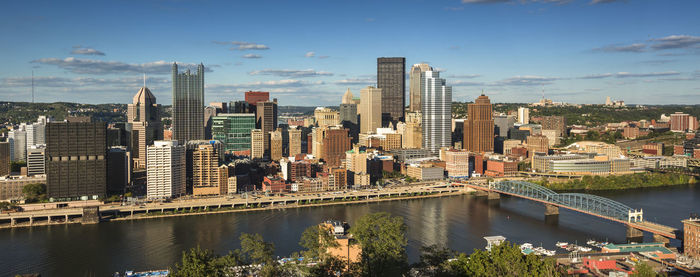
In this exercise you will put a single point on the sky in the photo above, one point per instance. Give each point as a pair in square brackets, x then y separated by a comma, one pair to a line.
[309, 53]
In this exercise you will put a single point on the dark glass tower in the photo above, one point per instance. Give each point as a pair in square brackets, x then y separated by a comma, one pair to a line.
[188, 104]
[391, 78]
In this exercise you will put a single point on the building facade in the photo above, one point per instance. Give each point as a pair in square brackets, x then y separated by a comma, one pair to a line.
[436, 111]
[276, 145]
[370, 109]
[257, 144]
[4, 158]
[206, 179]
[266, 120]
[523, 115]
[144, 125]
[415, 87]
[391, 78]
[233, 130]
[479, 126]
[326, 117]
[188, 104]
[76, 164]
[166, 170]
[36, 160]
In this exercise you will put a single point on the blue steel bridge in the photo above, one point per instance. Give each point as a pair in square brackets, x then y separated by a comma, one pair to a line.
[580, 202]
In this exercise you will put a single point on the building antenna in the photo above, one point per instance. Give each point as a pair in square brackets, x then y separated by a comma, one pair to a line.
[542, 91]
[32, 86]
[144, 79]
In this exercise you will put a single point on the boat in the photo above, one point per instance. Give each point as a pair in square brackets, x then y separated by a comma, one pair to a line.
[583, 249]
[526, 245]
[591, 242]
[562, 244]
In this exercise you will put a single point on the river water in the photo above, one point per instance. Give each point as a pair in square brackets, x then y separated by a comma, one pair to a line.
[459, 222]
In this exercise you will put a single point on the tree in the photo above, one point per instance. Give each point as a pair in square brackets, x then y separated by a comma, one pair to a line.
[5, 206]
[255, 250]
[16, 166]
[503, 260]
[196, 262]
[317, 239]
[383, 241]
[34, 192]
[642, 269]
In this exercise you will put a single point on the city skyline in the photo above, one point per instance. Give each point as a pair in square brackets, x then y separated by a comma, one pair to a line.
[641, 52]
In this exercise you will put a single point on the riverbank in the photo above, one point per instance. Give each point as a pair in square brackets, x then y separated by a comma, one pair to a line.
[619, 182]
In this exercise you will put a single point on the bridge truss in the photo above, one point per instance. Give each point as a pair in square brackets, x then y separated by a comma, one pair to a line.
[580, 201]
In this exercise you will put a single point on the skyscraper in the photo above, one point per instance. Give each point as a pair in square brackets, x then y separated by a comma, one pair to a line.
[4, 158]
[414, 85]
[36, 159]
[370, 109]
[257, 144]
[76, 164]
[555, 122]
[166, 170]
[205, 170]
[233, 130]
[143, 118]
[188, 104]
[253, 97]
[276, 145]
[266, 120]
[391, 78]
[18, 143]
[436, 111]
[523, 115]
[348, 115]
[294, 142]
[335, 143]
[478, 128]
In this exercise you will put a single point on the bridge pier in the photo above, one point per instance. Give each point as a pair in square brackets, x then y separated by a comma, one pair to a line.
[634, 235]
[551, 214]
[660, 238]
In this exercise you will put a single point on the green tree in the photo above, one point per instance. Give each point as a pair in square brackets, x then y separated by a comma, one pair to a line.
[503, 260]
[196, 262]
[4, 206]
[383, 241]
[34, 193]
[255, 250]
[642, 269]
[316, 240]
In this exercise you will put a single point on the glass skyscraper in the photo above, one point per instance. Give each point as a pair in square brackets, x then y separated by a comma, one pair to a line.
[188, 104]
[233, 130]
[391, 78]
[436, 109]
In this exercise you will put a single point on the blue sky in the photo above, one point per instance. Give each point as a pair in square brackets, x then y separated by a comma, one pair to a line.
[309, 52]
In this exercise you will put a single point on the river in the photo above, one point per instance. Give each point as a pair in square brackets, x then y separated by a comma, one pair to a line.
[459, 222]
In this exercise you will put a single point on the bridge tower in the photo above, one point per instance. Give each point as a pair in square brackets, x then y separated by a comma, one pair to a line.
[551, 214]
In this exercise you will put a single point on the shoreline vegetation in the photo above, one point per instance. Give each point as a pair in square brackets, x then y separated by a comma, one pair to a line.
[619, 182]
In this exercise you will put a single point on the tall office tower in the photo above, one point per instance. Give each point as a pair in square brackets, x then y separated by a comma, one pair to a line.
[294, 142]
[221, 107]
[414, 83]
[391, 78]
[76, 166]
[36, 132]
[18, 143]
[537, 144]
[266, 120]
[478, 128]
[209, 113]
[412, 131]
[326, 117]
[348, 115]
[524, 115]
[555, 122]
[144, 125]
[370, 109]
[165, 170]
[253, 97]
[233, 130]
[257, 144]
[205, 170]
[188, 104]
[276, 145]
[436, 111]
[502, 123]
[118, 169]
[335, 143]
[4, 158]
[241, 107]
[36, 159]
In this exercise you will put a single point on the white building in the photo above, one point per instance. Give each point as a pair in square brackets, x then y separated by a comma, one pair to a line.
[523, 115]
[36, 164]
[165, 170]
[18, 143]
[436, 110]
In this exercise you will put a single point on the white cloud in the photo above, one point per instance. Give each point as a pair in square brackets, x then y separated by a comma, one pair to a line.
[310, 54]
[243, 45]
[251, 56]
[291, 73]
[86, 66]
[675, 41]
[77, 50]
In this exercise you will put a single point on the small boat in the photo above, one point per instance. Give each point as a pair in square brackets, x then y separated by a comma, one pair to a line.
[591, 242]
[584, 249]
[526, 246]
[562, 244]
